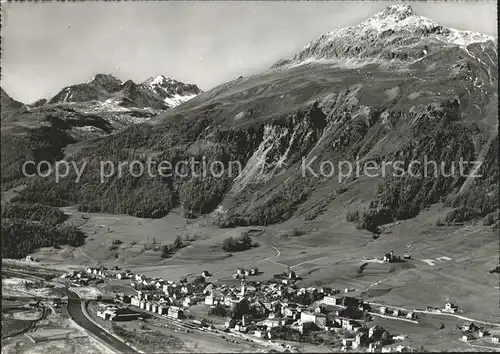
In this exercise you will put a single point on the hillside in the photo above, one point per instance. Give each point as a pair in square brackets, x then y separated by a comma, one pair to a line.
[9, 105]
[418, 91]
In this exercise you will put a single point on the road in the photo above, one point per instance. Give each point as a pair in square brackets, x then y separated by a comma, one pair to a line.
[76, 313]
[271, 259]
[468, 319]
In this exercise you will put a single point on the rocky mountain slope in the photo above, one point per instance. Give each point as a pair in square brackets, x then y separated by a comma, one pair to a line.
[414, 93]
[9, 105]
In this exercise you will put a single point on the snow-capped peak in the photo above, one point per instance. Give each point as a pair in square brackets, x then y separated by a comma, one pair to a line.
[397, 17]
[158, 81]
[172, 92]
[103, 78]
[387, 35]
[402, 17]
[394, 13]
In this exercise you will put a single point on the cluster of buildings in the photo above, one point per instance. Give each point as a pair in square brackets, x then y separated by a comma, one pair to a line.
[449, 307]
[384, 310]
[88, 277]
[110, 312]
[162, 297]
[166, 297]
[391, 257]
[287, 278]
[273, 319]
[274, 309]
[266, 310]
[471, 332]
[277, 309]
[159, 304]
[242, 272]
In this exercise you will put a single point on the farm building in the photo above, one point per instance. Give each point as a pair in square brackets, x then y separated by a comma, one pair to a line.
[450, 307]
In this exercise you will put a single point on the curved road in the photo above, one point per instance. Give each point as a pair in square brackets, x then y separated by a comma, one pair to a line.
[76, 313]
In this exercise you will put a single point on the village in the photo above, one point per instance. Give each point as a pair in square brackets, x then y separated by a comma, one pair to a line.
[272, 310]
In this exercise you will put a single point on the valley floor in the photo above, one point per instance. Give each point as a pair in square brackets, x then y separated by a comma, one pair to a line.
[447, 263]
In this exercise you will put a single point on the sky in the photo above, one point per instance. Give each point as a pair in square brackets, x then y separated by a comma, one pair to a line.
[46, 46]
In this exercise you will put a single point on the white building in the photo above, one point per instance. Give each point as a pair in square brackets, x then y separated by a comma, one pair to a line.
[451, 308]
[307, 317]
[187, 302]
[330, 300]
[162, 310]
[348, 342]
[210, 300]
[374, 347]
[135, 301]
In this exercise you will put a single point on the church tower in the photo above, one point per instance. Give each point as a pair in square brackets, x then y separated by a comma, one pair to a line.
[243, 288]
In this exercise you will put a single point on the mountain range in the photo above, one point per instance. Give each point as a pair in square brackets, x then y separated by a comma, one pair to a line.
[110, 101]
[398, 86]
[156, 92]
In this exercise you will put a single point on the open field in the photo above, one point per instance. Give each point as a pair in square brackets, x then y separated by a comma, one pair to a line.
[73, 345]
[12, 326]
[54, 334]
[22, 287]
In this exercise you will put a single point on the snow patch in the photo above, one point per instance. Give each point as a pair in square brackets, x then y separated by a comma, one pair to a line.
[88, 128]
[109, 105]
[429, 261]
[177, 99]
[159, 80]
[239, 115]
[464, 38]
[392, 93]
